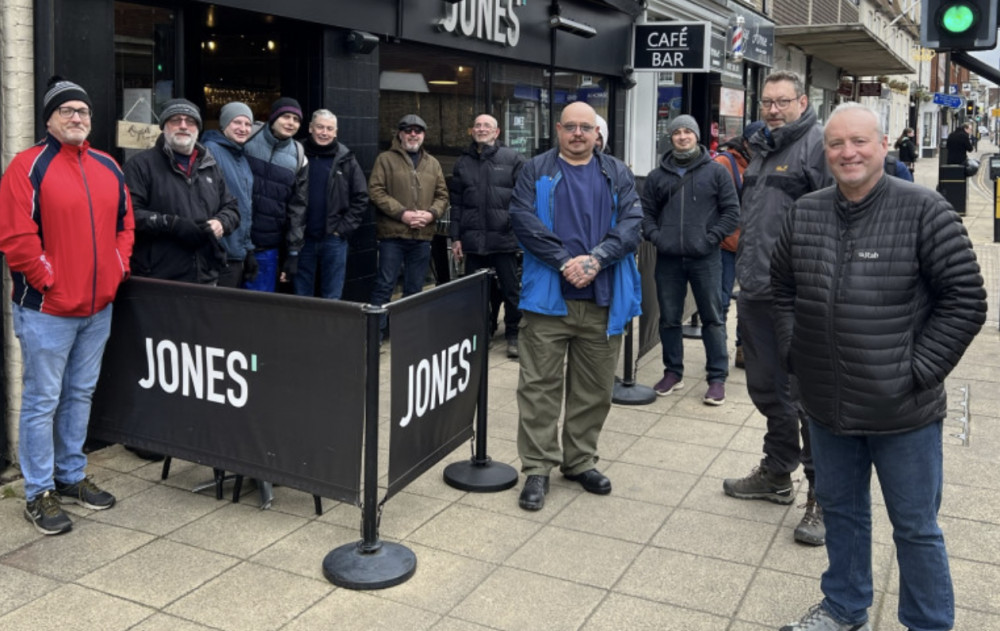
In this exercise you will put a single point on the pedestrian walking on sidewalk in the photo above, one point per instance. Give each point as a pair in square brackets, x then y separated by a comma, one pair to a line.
[877, 294]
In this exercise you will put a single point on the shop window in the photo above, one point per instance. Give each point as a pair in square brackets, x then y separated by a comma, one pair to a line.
[669, 101]
[145, 60]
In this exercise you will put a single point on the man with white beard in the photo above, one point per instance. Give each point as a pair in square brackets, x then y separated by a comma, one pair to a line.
[182, 206]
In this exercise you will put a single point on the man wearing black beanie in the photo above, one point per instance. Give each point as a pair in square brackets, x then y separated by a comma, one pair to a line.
[63, 287]
[280, 194]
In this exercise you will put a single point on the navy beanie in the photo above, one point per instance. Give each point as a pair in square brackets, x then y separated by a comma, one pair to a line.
[284, 105]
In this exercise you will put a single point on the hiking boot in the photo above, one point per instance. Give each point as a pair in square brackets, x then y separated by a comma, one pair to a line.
[811, 530]
[512, 351]
[46, 515]
[86, 494]
[671, 381]
[739, 358]
[716, 394]
[819, 620]
[761, 484]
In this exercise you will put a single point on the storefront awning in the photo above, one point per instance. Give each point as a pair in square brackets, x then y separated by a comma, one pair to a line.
[849, 46]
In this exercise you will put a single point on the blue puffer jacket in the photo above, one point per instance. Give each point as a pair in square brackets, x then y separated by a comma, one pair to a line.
[533, 215]
[239, 181]
[280, 190]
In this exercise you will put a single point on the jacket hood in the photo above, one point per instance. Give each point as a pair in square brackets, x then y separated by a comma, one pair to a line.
[217, 137]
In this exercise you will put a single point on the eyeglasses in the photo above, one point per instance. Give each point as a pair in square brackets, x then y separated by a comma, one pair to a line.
[67, 112]
[412, 130]
[487, 126]
[177, 120]
[782, 104]
[572, 127]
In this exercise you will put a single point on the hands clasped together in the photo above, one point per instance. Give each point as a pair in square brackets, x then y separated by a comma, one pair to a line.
[581, 270]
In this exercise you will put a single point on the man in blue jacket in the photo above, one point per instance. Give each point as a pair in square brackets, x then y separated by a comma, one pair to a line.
[577, 215]
[226, 144]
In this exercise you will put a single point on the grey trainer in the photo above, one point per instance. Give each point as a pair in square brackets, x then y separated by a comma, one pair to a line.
[761, 484]
[86, 494]
[811, 530]
[46, 515]
[819, 620]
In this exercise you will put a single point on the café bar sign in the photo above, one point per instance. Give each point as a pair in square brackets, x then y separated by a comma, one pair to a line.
[492, 21]
[672, 47]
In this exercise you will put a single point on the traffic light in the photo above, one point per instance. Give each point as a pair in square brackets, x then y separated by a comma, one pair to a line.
[970, 109]
[958, 24]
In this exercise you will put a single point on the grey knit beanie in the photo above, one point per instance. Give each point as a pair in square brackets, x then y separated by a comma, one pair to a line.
[59, 91]
[173, 107]
[231, 110]
[686, 122]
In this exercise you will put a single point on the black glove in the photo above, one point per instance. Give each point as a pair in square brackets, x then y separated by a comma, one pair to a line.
[291, 266]
[188, 232]
[250, 268]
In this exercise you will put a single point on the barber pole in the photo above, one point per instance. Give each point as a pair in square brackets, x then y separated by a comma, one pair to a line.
[737, 42]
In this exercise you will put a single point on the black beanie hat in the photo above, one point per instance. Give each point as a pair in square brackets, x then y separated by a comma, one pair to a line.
[59, 91]
[173, 107]
[284, 105]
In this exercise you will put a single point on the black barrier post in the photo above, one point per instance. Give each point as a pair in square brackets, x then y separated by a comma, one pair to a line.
[953, 185]
[627, 391]
[370, 563]
[481, 474]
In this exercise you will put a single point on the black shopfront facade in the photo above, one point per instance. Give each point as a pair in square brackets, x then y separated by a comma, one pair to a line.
[369, 61]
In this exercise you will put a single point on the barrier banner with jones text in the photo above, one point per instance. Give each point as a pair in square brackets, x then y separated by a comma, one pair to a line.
[439, 339]
[266, 385]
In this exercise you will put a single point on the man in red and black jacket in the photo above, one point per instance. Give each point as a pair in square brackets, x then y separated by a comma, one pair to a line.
[66, 226]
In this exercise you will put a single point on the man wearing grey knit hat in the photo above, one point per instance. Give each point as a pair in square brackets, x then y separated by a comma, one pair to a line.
[182, 205]
[689, 206]
[227, 145]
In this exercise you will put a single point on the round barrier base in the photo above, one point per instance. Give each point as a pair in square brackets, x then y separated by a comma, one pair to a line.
[348, 566]
[691, 331]
[488, 477]
[636, 394]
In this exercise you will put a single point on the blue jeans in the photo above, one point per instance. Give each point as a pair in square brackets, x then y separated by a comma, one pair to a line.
[673, 273]
[728, 279]
[412, 256]
[326, 257]
[267, 271]
[910, 474]
[62, 361]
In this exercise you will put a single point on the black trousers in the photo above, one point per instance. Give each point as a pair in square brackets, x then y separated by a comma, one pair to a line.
[507, 289]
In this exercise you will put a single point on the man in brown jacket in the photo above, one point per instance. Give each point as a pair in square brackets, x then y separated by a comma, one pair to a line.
[408, 188]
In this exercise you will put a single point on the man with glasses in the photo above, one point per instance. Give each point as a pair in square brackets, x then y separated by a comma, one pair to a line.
[576, 213]
[788, 162]
[182, 205]
[481, 186]
[408, 188]
[66, 227]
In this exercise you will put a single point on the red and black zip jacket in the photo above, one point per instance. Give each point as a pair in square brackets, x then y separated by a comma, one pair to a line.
[67, 228]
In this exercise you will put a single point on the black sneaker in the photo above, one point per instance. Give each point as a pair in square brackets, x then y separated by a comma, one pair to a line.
[86, 494]
[46, 515]
[761, 484]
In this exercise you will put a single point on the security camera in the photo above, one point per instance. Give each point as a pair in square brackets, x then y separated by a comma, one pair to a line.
[563, 23]
[361, 42]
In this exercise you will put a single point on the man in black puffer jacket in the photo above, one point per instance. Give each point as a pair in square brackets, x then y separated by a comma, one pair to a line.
[480, 189]
[877, 294]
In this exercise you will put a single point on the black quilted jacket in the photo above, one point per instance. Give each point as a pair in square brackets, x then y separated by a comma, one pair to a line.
[876, 302]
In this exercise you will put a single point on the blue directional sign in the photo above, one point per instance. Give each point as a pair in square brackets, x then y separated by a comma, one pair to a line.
[947, 100]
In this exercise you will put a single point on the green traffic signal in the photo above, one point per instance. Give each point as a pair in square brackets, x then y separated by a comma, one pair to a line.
[958, 18]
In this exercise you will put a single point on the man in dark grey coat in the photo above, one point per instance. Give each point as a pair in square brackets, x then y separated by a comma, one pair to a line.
[787, 163]
[481, 185]
[877, 295]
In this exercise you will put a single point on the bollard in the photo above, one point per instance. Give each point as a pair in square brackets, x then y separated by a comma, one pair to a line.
[953, 185]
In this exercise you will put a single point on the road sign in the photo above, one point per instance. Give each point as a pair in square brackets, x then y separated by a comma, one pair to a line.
[995, 112]
[947, 100]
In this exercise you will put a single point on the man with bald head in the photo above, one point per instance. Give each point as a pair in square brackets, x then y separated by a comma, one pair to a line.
[481, 185]
[577, 216]
[877, 294]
